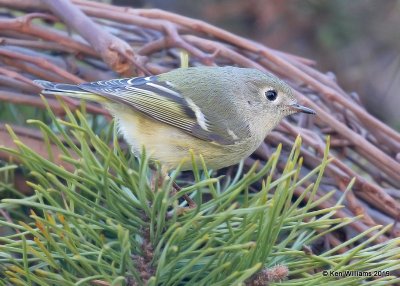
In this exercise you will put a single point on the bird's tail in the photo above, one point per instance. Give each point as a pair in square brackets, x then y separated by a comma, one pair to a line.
[70, 90]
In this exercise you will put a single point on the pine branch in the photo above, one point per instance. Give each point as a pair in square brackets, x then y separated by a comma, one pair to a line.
[105, 222]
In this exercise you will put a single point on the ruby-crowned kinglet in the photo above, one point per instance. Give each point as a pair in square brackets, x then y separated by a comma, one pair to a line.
[222, 113]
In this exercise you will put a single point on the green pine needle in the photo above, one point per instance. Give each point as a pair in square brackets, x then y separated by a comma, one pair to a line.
[110, 221]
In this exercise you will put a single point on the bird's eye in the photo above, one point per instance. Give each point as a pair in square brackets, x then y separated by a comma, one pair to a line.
[271, 94]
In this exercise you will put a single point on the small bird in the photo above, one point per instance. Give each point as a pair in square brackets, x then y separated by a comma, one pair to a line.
[221, 113]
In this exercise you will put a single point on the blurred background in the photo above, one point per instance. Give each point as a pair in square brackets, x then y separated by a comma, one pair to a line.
[358, 40]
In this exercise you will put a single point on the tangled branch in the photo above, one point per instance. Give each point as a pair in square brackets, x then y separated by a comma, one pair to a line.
[112, 40]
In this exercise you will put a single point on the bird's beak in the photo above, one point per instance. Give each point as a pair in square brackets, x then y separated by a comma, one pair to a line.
[299, 108]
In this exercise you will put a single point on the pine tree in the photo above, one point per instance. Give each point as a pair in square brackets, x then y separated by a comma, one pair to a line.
[104, 218]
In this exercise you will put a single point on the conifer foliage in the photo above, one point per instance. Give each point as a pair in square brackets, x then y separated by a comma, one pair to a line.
[107, 219]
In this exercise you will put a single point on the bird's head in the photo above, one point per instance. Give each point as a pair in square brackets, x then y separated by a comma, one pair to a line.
[271, 98]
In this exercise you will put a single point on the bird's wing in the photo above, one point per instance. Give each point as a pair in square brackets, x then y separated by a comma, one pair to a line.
[162, 101]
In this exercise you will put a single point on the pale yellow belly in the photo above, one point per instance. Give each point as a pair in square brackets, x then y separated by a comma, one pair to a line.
[171, 146]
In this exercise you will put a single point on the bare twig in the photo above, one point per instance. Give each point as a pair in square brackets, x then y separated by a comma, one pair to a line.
[115, 52]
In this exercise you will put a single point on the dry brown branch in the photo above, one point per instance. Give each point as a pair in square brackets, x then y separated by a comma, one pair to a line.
[35, 143]
[114, 51]
[149, 40]
[23, 25]
[34, 101]
[43, 63]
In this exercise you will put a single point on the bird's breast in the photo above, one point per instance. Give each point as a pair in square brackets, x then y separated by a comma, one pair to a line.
[171, 146]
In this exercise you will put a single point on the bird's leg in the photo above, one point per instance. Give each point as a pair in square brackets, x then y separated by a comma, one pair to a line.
[175, 188]
[153, 180]
[188, 199]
